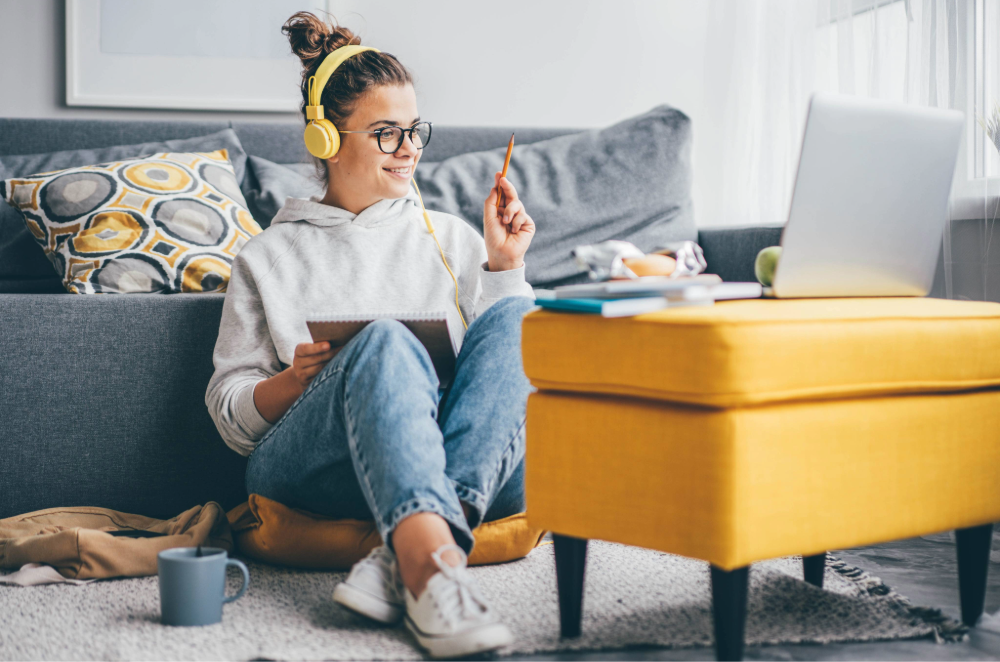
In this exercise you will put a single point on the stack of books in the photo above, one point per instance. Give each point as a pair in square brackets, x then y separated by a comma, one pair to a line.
[623, 298]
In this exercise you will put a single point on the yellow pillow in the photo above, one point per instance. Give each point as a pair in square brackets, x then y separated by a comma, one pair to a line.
[268, 531]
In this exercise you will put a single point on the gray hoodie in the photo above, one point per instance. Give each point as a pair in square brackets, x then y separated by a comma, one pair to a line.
[315, 259]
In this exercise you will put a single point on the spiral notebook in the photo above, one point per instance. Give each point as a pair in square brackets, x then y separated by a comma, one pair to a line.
[435, 331]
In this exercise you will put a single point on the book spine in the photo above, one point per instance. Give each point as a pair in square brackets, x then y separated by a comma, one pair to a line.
[571, 305]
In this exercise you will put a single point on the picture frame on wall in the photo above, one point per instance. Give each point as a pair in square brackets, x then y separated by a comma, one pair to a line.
[183, 54]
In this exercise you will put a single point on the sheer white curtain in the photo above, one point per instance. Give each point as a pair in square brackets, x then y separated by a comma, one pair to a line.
[759, 72]
[764, 59]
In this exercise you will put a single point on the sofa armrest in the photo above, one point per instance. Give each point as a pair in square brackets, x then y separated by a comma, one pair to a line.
[730, 252]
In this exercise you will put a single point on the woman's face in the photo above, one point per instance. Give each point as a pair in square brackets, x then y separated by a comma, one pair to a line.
[360, 173]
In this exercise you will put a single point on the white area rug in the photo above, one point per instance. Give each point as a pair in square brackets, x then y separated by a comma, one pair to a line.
[633, 597]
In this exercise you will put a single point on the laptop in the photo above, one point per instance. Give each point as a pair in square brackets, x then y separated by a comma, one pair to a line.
[870, 200]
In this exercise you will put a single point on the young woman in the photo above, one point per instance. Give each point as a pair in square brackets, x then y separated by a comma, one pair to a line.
[364, 431]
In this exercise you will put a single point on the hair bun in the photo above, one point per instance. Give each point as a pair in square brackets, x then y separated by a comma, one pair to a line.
[312, 38]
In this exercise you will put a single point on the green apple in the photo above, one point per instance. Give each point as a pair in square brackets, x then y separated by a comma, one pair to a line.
[766, 263]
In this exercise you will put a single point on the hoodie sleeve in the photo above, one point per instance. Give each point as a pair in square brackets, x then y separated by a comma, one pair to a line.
[480, 286]
[244, 355]
[497, 285]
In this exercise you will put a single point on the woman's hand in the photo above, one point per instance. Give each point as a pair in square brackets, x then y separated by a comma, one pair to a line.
[507, 230]
[275, 395]
[310, 359]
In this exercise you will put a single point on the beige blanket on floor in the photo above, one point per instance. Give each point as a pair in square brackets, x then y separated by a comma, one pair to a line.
[79, 544]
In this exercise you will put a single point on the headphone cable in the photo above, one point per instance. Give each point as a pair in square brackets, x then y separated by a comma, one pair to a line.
[430, 228]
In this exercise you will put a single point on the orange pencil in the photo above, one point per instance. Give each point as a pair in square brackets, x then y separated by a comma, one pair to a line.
[506, 162]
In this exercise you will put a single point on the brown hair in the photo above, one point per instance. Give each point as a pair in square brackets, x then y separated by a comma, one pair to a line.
[312, 39]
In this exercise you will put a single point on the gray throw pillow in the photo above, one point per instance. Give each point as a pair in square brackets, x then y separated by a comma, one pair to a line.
[629, 181]
[268, 184]
[23, 265]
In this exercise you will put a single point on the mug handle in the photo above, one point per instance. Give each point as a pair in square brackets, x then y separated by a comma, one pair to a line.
[246, 579]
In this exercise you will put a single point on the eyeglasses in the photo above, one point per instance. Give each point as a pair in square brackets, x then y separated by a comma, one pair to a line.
[390, 138]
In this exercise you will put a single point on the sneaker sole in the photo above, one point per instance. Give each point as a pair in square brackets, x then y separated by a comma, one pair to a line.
[367, 604]
[478, 640]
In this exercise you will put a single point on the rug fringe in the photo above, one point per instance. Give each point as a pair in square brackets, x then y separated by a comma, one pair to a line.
[944, 628]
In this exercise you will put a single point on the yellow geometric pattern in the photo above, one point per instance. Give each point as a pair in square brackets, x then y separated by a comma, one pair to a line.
[158, 177]
[170, 222]
[109, 231]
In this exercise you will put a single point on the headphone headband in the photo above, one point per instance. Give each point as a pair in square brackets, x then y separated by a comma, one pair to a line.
[318, 81]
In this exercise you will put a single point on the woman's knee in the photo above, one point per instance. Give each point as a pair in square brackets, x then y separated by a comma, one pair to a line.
[507, 312]
[385, 336]
[385, 331]
[513, 306]
[385, 344]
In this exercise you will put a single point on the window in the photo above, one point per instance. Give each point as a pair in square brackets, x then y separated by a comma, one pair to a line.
[943, 53]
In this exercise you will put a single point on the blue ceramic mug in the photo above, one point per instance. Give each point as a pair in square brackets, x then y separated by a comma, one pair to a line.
[192, 587]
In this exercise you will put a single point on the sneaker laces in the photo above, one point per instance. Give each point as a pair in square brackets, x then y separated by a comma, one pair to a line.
[460, 596]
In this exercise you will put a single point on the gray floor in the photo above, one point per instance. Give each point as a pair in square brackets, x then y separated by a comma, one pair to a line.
[923, 569]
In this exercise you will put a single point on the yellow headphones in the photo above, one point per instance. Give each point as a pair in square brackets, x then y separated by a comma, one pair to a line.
[323, 139]
[321, 136]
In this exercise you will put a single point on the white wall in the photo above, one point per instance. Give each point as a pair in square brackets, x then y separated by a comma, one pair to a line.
[534, 63]
[585, 63]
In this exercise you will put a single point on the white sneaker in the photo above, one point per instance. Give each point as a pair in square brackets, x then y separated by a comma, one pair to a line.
[372, 588]
[451, 618]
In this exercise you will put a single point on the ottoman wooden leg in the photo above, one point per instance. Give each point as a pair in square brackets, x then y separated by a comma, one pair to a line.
[813, 568]
[973, 562]
[571, 559]
[729, 610]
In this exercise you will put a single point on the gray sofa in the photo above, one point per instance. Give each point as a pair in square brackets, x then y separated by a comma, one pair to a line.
[102, 397]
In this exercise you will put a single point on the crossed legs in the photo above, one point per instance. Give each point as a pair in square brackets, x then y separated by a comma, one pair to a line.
[370, 438]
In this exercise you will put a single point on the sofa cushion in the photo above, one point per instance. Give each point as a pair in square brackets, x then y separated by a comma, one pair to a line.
[23, 266]
[628, 181]
[268, 185]
[171, 222]
[269, 531]
[750, 352]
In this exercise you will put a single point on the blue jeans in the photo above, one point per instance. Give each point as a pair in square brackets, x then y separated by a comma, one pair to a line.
[373, 436]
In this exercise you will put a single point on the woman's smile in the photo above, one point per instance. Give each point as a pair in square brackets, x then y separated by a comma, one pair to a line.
[400, 172]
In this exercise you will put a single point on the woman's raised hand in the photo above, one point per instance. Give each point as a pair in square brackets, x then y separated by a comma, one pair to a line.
[507, 230]
[310, 359]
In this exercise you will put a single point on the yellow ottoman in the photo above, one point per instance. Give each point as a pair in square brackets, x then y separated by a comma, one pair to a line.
[756, 429]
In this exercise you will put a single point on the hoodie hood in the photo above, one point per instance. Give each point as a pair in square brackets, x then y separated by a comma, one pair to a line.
[383, 212]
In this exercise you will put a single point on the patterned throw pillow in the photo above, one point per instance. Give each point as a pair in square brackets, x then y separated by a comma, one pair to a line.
[171, 222]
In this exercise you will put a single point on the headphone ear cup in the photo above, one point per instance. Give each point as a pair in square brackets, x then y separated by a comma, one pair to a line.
[322, 139]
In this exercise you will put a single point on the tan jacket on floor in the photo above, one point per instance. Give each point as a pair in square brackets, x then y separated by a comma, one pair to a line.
[77, 542]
